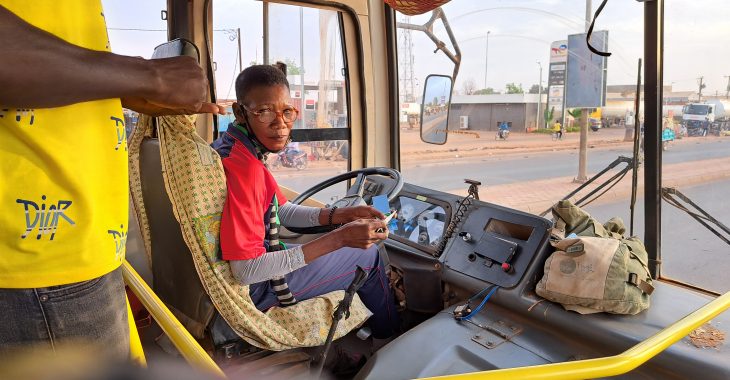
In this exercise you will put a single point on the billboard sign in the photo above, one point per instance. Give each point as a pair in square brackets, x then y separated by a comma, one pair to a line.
[556, 75]
[586, 78]
[559, 51]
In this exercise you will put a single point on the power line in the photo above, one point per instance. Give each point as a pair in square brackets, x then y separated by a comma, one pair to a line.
[235, 73]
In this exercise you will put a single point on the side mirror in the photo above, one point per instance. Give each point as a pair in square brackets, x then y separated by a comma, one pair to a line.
[434, 123]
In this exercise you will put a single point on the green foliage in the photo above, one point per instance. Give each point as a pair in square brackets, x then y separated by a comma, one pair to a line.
[548, 131]
[548, 115]
[292, 68]
[545, 131]
[514, 88]
[485, 91]
[575, 112]
[536, 90]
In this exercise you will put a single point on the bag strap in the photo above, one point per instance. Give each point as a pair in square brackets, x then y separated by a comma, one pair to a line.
[644, 286]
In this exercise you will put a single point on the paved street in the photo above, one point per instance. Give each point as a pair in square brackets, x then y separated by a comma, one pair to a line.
[492, 169]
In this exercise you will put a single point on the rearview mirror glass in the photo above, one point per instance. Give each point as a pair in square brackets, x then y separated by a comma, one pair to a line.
[435, 109]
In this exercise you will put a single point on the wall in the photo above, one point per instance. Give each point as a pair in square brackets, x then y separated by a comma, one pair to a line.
[486, 117]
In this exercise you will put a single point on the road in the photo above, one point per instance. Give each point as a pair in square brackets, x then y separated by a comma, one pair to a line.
[690, 252]
[448, 175]
[433, 127]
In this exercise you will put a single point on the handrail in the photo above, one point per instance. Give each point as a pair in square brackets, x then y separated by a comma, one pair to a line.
[180, 337]
[610, 365]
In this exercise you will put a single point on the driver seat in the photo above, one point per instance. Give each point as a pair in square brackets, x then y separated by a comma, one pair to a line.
[178, 188]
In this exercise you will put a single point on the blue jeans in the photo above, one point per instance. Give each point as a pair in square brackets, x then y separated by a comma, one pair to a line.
[335, 271]
[89, 312]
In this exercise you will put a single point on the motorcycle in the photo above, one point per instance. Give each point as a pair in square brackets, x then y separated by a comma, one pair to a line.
[502, 134]
[291, 158]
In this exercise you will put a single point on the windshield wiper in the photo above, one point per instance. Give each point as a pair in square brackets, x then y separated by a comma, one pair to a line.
[675, 198]
[604, 187]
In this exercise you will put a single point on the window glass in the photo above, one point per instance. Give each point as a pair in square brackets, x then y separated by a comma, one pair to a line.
[508, 50]
[309, 41]
[697, 157]
[134, 33]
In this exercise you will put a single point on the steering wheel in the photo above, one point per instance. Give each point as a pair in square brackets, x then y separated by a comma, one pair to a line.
[353, 197]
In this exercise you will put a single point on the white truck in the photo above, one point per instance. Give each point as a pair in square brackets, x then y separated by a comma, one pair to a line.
[706, 117]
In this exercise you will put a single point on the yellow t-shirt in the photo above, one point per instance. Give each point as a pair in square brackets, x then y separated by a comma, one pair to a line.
[64, 191]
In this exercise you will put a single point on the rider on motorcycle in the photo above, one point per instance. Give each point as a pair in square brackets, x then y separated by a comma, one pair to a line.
[503, 130]
[558, 129]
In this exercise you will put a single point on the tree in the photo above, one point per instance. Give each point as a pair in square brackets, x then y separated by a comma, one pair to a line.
[514, 88]
[292, 68]
[548, 115]
[469, 86]
[485, 91]
[575, 112]
[536, 90]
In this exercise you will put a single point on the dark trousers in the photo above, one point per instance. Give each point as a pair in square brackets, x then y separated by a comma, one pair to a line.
[92, 312]
[335, 271]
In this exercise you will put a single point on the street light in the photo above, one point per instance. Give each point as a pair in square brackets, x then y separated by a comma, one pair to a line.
[539, 97]
[486, 60]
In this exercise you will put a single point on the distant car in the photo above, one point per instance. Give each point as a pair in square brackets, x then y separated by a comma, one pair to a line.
[595, 124]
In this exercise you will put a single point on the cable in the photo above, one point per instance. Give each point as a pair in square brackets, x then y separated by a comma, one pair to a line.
[235, 73]
[590, 32]
[481, 305]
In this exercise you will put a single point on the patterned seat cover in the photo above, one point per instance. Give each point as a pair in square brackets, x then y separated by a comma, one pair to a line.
[196, 185]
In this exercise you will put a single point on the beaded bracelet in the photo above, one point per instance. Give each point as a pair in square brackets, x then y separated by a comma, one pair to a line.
[332, 213]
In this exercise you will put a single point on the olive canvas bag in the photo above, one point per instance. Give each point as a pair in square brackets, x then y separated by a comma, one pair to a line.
[595, 268]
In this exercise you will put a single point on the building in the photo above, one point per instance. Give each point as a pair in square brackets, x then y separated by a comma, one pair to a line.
[487, 112]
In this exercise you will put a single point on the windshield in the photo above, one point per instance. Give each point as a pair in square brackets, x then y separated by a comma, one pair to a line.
[696, 109]
[526, 64]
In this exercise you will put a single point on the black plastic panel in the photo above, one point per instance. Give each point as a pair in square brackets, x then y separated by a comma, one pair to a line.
[501, 243]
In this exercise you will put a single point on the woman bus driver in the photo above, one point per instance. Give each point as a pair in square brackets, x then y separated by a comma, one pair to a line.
[255, 207]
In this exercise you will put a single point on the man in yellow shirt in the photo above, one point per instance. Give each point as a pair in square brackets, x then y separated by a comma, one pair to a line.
[63, 165]
[558, 129]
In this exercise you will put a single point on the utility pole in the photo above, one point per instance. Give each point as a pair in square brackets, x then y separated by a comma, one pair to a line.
[699, 93]
[583, 151]
[240, 59]
[301, 67]
[539, 97]
[486, 61]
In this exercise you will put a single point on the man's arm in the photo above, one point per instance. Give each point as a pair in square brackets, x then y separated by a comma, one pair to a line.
[40, 70]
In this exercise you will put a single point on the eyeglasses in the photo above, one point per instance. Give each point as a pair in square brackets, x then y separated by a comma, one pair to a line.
[266, 116]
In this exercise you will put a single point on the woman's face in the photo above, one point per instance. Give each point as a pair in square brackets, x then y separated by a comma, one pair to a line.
[274, 134]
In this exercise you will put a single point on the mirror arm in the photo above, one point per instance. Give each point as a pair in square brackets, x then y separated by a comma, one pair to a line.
[427, 28]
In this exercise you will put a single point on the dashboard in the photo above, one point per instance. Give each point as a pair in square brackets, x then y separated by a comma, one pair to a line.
[489, 243]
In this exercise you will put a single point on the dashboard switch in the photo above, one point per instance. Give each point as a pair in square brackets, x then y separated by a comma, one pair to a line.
[465, 236]
[507, 267]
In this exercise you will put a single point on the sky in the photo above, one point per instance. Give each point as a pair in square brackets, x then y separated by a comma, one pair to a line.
[521, 31]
